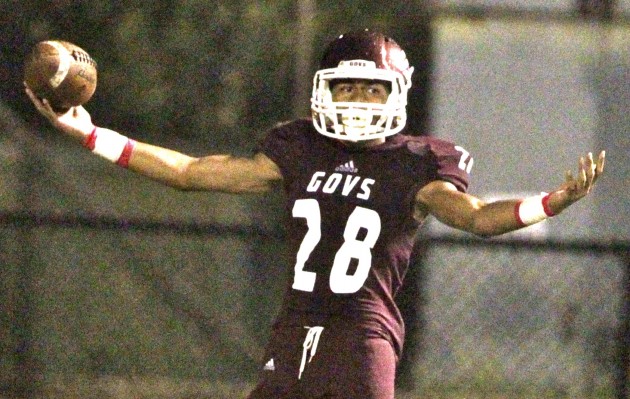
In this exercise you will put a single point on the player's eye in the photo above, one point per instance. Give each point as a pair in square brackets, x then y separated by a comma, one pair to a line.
[375, 89]
[378, 89]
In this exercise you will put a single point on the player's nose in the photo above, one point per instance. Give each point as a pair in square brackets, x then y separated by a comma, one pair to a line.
[359, 95]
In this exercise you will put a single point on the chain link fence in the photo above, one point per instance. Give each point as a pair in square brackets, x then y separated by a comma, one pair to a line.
[149, 309]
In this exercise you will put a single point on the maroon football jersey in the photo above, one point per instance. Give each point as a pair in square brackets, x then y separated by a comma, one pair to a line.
[352, 227]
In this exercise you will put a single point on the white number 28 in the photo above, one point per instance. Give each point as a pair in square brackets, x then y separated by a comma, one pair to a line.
[340, 281]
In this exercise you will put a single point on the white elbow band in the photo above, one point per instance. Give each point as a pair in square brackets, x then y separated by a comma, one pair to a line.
[110, 145]
[533, 210]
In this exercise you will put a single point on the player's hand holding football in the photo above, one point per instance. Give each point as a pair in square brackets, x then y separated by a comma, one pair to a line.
[576, 187]
[76, 122]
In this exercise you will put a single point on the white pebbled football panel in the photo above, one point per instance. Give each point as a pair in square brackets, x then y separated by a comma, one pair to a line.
[65, 59]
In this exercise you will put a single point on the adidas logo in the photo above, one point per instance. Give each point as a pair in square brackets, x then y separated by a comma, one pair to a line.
[347, 167]
[270, 366]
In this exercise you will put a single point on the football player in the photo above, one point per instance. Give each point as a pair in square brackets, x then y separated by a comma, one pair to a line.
[358, 187]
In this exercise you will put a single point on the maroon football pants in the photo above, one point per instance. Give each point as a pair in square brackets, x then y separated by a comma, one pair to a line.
[339, 361]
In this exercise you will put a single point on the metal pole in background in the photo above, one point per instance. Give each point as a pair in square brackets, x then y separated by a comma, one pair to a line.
[611, 90]
[416, 37]
[306, 10]
[622, 363]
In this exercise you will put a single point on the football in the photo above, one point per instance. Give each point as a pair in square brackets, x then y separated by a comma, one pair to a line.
[61, 72]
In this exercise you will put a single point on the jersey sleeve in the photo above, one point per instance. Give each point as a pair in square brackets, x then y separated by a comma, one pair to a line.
[453, 164]
[283, 146]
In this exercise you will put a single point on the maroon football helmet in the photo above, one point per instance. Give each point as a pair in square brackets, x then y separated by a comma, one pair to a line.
[361, 55]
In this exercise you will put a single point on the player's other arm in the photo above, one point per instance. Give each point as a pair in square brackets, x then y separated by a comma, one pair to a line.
[216, 172]
[469, 213]
[211, 173]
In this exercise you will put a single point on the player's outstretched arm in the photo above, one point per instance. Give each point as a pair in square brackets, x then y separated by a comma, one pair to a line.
[469, 213]
[214, 173]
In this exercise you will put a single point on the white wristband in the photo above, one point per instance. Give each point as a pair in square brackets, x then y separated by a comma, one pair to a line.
[533, 210]
[111, 145]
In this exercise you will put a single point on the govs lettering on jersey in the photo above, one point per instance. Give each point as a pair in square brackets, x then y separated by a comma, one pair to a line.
[330, 184]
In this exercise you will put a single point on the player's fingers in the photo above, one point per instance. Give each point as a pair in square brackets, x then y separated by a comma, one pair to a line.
[581, 177]
[27, 88]
[589, 159]
[599, 167]
[48, 108]
[589, 169]
[42, 104]
[30, 94]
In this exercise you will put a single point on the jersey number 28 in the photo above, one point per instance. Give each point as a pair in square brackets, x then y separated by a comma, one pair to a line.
[353, 248]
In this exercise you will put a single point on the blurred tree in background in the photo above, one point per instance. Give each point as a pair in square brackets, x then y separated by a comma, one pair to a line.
[204, 70]
[184, 69]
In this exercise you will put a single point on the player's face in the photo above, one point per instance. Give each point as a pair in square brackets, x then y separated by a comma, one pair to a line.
[360, 90]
